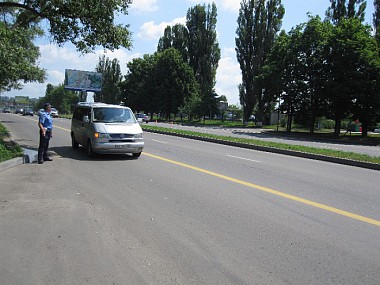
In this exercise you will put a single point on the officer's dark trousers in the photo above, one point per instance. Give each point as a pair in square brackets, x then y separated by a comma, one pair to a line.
[44, 145]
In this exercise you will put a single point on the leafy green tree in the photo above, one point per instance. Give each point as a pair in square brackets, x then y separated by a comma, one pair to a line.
[59, 97]
[366, 99]
[353, 71]
[86, 23]
[258, 24]
[204, 52]
[286, 66]
[175, 83]
[376, 20]
[313, 53]
[18, 57]
[111, 79]
[138, 86]
[342, 9]
[175, 37]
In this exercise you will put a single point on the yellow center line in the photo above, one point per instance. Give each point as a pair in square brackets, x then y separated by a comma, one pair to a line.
[271, 191]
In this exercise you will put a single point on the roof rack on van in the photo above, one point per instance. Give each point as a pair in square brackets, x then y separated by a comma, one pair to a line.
[90, 103]
[99, 104]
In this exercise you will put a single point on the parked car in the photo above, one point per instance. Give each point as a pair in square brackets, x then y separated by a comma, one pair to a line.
[28, 112]
[141, 118]
[54, 112]
[19, 111]
[6, 110]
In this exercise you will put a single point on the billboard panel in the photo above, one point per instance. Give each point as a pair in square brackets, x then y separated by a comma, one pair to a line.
[21, 99]
[80, 80]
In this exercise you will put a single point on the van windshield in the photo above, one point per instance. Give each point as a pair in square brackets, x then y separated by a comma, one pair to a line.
[113, 115]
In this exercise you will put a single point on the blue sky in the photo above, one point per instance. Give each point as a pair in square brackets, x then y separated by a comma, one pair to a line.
[148, 19]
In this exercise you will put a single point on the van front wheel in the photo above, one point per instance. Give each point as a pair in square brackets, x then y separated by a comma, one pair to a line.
[136, 155]
[90, 151]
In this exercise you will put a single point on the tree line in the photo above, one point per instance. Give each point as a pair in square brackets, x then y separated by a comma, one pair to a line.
[322, 68]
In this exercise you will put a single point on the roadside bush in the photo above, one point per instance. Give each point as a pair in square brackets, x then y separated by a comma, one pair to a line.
[8, 150]
[327, 124]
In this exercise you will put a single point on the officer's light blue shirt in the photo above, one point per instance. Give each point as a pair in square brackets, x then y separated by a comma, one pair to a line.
[46, 120]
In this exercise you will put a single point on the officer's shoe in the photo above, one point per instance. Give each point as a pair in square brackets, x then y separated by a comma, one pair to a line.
[48, 159]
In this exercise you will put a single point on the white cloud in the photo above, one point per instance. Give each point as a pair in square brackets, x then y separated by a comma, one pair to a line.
[228, 78]
[144, 5]
[152, 31]
[228, 5]
[231, 5]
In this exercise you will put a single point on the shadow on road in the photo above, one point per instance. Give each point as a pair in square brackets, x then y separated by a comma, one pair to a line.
[80, 154]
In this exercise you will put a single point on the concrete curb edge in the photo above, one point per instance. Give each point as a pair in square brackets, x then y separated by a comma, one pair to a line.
[29, 156]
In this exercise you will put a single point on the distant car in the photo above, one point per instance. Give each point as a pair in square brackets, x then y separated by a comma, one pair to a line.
[19, 111]
[6, 110]
[142, 117]
[377, 131]
[28, 112]
[54, 112]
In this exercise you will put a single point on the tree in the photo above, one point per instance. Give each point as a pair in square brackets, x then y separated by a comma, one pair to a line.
[340, 9]
[59, 97]
[354, 75]
[175, 83]
[285, 65]
[204, 52]
[111, 79]
[138, 86]
[376, 20]
[175, 37]
[258, 24]
[18, 57]
[86, 23]
[313, 54]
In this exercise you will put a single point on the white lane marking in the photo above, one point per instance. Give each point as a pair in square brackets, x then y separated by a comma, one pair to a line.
[159, 141]
[243, 158]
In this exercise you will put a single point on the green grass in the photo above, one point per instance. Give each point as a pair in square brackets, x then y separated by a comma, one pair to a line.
[305, 149]
[8, 149]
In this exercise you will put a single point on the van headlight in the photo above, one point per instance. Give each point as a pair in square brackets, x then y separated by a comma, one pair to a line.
[100, 136]
[138, 136]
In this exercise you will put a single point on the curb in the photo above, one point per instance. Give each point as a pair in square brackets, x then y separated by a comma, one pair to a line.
[367, 165]
[29, 156]
[11, 163]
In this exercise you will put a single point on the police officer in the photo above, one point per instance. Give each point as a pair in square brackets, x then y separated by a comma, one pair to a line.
[45, 123]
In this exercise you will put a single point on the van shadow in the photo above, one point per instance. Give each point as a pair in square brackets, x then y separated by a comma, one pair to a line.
[80, 154]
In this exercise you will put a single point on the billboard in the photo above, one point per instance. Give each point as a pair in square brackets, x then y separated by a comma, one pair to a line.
[80, 80]
[21, 99]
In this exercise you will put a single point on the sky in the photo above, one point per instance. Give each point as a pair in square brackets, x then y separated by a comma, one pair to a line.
[147, 20]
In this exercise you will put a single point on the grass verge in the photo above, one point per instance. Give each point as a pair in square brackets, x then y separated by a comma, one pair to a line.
[299, 148]
[8, 149]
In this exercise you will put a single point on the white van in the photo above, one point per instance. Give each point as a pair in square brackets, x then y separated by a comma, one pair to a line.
[105, 128]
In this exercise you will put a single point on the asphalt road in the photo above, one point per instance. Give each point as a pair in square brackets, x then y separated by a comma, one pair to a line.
[185, 212]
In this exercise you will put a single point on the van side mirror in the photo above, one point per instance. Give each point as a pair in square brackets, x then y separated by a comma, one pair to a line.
[86, 119]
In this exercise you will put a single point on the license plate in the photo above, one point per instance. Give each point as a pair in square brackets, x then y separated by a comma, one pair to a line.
[122, 146]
